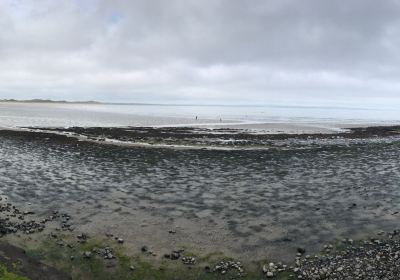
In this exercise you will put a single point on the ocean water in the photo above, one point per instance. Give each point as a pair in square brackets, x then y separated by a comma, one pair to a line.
[66, 115]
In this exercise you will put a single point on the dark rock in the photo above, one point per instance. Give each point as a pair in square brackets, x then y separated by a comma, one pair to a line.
[301, 250]
[144, 249]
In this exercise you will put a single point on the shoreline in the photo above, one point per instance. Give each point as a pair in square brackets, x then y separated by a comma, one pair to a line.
[193, 138]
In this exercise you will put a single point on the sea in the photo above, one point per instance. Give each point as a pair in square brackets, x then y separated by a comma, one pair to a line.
[108, 115]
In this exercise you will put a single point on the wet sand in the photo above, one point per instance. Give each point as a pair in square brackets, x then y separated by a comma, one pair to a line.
[213, 138]
[300, 191]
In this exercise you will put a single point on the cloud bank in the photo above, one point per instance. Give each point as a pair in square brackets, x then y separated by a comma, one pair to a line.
[209, 51]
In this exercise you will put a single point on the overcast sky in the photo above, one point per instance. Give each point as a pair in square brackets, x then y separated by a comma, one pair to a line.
[202, 51]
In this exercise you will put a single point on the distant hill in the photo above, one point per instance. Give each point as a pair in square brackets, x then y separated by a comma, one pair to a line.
[70, 102]
[48, 101]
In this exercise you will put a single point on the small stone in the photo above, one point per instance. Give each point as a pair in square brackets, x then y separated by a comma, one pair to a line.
[175, 255]
[144, 249]
[301, 250]
[265, 268]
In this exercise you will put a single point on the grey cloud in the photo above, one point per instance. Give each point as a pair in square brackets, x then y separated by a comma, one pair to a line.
[201, 51]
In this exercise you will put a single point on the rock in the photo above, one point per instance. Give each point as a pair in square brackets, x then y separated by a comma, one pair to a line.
[82, 236]
[175, 255]
[110, 256]
[188, 260]
[144, 249]
[225, 266]
[265, 268]
[301, 250]
[87, 254]
[270, 274]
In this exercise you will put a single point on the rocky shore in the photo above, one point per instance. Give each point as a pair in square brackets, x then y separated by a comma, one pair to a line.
[376, 258]
[372, 259]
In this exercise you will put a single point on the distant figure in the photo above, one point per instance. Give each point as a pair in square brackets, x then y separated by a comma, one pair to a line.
[220, 119]
[196, 118]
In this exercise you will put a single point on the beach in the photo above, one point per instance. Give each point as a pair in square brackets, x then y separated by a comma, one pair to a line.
[199, 140]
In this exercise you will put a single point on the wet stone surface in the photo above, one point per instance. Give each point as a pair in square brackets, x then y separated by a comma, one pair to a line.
[13, 220]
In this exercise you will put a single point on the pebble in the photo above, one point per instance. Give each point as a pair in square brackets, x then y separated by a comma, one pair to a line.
[188, 260]
[144, 249]
[375, 259]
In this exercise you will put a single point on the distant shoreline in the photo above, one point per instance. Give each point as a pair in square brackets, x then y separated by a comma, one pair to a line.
[48, 101]
[274, 105]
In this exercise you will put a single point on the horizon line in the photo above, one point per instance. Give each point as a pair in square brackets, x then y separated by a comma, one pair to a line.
[94, 102]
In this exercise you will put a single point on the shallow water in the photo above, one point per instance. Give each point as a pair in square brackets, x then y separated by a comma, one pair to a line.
[273, 119]
[250, 204]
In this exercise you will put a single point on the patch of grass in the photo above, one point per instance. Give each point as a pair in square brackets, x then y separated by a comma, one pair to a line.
[6, 275]
[36, 254]
[211, 256]
[284, 276]
[144, 266]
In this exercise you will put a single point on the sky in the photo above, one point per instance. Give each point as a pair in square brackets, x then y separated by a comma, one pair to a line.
[297, 52]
